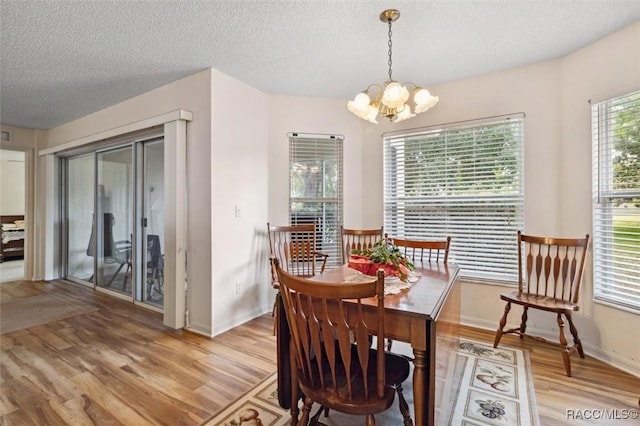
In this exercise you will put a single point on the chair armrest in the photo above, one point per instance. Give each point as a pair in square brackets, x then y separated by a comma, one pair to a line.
[324, 260]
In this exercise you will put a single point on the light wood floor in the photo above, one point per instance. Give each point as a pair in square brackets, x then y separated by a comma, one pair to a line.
[120, 365]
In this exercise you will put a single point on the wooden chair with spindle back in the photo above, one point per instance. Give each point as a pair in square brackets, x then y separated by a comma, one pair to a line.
[295, 248]
[334, 365]
[549, 281]
[436, 251]
[421, 251]
[358, 239]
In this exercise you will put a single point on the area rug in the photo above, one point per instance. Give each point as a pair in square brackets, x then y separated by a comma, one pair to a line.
[495, 388]
[37, 310]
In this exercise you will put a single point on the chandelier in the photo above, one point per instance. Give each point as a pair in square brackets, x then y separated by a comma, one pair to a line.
[391, 100]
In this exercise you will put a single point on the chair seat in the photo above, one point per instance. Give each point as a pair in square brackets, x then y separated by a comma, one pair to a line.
[546, 303]
[397, 369]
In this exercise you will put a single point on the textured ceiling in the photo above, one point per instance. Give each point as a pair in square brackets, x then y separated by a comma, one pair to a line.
[61, 60]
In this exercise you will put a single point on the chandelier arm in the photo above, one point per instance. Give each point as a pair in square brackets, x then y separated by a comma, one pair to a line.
[392, 98]
[376, 85]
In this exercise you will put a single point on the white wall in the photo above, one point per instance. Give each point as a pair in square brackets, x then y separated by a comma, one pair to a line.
[12, 182]
[239, 144]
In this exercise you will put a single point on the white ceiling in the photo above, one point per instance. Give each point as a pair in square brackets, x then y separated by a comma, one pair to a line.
[61, 60]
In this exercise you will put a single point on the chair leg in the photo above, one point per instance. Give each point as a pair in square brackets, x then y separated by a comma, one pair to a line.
[404, 407]
[503, 322]
[314, 420]
[565, 350]
[574, 333]
[370, 421]
[305, 412]
[523, 324]
[274, 314]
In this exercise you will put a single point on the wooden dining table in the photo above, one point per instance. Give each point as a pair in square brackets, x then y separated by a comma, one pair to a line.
[426, 315]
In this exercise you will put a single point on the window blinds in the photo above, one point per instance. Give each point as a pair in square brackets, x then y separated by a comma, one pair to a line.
[616, 200]
[463, 181]
[315, 189]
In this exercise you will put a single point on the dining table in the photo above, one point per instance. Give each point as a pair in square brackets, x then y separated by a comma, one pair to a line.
[425, 315]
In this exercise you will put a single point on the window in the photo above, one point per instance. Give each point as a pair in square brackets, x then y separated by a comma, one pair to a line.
[616, 201]
[315, 189]
[463, 180]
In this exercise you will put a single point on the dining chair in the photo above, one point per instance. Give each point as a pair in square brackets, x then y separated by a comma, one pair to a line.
[436, 251]
[155, 266]
[333, 363]
[294, 246]
[358, 239]
[548, 281]
[424, 250]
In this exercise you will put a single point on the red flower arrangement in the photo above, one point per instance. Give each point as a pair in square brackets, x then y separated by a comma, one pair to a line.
[383, 255]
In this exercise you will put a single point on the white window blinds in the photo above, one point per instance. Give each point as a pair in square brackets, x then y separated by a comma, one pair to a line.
[616, 201]
[464, 181]
[315, 189]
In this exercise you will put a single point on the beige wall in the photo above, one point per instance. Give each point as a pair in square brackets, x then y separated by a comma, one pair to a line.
[28, 141]
[230, 137]
[192, 94]
[226, 168]
[239, 144]
[324, 116]
[12, 182]
[607, 68]
[553, 95]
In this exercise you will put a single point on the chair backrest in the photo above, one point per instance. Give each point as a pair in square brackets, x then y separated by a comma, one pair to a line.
[424, 251]
[322, 333]
[294, 247]
[552, 266]
[107, 236]
[154, 250]
[359, 239]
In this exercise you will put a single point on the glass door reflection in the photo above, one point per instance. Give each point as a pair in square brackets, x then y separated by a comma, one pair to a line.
[79, 218]
[114, 208]
[151, 289]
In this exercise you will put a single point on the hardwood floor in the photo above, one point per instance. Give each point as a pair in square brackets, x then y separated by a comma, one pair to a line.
[120, 365]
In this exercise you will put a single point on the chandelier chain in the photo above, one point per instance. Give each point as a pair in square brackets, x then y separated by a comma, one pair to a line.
[391, 99]
[390, 45]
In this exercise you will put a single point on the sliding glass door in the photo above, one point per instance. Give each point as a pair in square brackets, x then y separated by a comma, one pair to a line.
[115, 208]
[114, 211]
[79, 218]
[151, 200]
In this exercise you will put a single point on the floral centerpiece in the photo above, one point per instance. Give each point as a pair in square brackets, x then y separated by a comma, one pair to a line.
[383, 255]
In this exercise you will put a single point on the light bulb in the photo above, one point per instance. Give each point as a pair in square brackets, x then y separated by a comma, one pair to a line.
[395, 95]
[362, 100]
[421, 96]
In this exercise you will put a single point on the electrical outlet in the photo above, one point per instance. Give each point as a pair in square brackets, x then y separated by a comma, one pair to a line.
[238, 288]
[237, 212]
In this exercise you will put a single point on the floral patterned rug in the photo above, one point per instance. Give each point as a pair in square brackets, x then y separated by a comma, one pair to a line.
[496, 388]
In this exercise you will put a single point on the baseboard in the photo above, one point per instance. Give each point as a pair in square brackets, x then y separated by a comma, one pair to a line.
[236, 321]
[598, 353]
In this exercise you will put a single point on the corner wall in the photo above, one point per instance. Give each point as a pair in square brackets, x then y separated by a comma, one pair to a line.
[605, 69]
